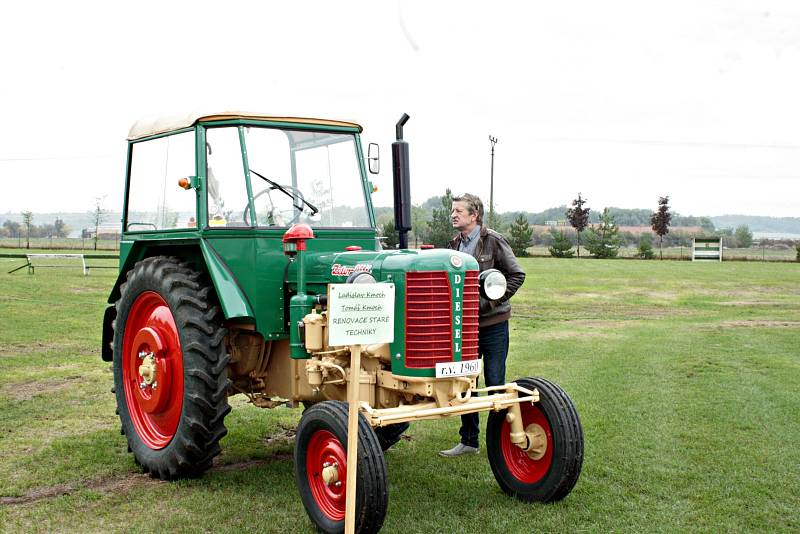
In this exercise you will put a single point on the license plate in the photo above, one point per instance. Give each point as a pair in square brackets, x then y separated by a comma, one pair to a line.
[448, 369]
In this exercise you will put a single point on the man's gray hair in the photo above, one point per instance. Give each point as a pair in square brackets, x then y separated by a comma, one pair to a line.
[473, 204]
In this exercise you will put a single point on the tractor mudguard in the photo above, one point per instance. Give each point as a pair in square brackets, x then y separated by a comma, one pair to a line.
[232, 299]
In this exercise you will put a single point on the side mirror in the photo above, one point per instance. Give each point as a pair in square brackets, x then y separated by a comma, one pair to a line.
[374, 158]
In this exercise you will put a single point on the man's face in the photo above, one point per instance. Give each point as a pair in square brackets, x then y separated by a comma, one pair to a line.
[461, 217]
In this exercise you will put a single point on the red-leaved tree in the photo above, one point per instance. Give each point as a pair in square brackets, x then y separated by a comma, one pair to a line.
[578, 217]
[660, 221]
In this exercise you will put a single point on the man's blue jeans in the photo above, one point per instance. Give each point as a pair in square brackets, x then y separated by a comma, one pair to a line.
[493, 348]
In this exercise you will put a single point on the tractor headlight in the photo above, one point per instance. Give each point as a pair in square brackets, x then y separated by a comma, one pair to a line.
[360, 278]
[493, 284]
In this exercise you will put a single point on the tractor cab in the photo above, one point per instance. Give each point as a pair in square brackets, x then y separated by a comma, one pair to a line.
[222, 189]
[251, 171]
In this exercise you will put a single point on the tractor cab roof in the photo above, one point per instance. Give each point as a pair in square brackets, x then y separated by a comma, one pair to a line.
[160, 125]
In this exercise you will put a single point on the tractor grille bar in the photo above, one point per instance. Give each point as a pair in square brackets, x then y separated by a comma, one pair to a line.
[429, 319]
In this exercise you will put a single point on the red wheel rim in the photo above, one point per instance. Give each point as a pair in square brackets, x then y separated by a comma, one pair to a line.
[325, 450]
[520, 465]
[155, 400]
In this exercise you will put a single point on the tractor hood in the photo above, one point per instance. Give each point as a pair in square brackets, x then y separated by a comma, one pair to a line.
[324, 268]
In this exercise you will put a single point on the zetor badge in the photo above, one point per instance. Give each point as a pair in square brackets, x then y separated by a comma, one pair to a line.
[346, 270]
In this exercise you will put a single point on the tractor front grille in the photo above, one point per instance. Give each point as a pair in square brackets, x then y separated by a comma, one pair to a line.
[429, 318]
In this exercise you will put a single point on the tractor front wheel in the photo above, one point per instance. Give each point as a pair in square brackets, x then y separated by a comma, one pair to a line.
[548, 471]
[170, 368]
[320, 466]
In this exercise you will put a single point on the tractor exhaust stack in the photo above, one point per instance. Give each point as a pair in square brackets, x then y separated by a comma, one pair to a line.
[402, 184]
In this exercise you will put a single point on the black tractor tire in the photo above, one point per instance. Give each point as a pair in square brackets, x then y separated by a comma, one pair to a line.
[390, 434]
[321, 440]
[174, 429]
[552, 477]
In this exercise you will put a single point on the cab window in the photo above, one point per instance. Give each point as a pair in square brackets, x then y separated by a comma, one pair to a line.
[155, 200]
[227, 188]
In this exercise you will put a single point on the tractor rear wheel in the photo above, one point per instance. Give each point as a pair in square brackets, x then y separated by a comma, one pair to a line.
[320, 466]
[169, 366]
[548, 473]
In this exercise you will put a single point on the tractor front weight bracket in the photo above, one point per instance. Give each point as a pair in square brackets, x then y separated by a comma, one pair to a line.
[508, 396]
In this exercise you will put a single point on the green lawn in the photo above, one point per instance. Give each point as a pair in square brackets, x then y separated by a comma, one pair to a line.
[686, 377]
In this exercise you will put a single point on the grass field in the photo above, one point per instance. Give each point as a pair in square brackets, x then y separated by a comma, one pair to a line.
[74, 244]
[686, 377]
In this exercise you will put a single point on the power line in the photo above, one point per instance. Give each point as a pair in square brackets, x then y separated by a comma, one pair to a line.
[53, 158]
[657, 142]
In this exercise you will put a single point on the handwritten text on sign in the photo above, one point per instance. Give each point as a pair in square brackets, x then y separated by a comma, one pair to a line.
[360, 314]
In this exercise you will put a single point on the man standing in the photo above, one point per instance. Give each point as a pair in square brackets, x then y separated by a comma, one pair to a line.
[492, 252]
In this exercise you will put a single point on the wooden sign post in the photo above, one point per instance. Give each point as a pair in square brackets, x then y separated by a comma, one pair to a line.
[358, 314]
[352, 439]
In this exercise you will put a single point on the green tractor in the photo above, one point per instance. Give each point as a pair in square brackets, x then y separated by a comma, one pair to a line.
[236, 229]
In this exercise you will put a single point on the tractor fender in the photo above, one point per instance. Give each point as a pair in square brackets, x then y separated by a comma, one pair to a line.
[234, 302]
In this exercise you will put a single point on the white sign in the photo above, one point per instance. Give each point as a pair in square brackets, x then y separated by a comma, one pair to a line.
[360, 314]
[463, 368]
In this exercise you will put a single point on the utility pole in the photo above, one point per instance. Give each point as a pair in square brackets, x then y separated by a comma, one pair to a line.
[493, 141]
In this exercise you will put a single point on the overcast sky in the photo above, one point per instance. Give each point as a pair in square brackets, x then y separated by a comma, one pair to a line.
[621, 101]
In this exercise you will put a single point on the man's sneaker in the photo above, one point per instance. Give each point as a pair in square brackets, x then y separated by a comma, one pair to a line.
[459, 450]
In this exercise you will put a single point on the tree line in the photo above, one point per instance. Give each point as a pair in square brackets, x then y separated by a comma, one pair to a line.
[27, 229]
[575, 227]
[58, 229]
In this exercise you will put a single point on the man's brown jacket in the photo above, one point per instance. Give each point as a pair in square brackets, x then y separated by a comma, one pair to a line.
[494, 252]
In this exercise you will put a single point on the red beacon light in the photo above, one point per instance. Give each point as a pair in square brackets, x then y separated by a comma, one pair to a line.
[426, 247]
[352, 248]
[294, 240]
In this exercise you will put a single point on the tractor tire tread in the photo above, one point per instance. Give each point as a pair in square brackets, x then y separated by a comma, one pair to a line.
[196, 439]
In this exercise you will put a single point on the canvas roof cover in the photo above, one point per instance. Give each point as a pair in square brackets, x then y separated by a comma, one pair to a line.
[148, 127]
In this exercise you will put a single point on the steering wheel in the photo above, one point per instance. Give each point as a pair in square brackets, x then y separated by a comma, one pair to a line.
[288, 190]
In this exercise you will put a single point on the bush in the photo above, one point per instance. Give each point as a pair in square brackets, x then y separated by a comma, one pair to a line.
[646, 247]
[562, 246]
[520, 236]
[744, 237]
[602, 240]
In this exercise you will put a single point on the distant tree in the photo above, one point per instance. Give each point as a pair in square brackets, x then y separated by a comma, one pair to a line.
[797, 247]
[48, 231]
[12, 227]
[562, 246]
[646, 247]
[578, 217]
[98, 216]
[61, 229]
[706, 224]
[602, 240]
[495, 221]
[520, 235]
[660, 221]
[419, 224]
[441, 228]
[744, 237]
[27, 220]
[389, 233]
